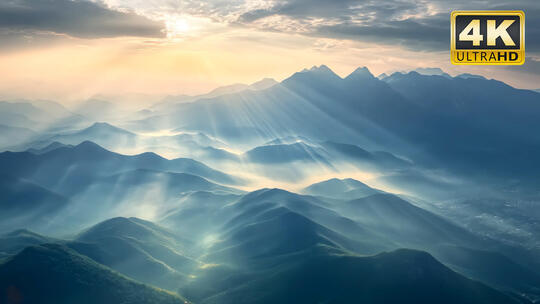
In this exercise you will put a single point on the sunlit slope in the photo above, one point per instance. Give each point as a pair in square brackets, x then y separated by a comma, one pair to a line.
[138, 249]
[282, 110]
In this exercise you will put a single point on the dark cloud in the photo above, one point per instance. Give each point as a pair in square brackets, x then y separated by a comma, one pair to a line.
[303, 9]
[405, 22]
[75, 18]
[420, 34]
[317, 8]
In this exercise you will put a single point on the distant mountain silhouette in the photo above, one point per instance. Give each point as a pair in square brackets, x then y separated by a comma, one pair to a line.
[37, 114]
[98, 109]
[100, 132]
[103, 128]
[23, 108]
[17, 120]
[234, 88]
[87, 161]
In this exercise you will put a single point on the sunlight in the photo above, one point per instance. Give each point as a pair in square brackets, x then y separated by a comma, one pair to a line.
[177, 27]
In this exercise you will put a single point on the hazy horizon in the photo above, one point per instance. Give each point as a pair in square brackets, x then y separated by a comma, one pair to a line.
[72, 50]
[146, 99]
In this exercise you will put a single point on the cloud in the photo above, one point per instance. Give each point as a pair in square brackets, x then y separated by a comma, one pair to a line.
[418, 25]
[418, 34]
[81, 19]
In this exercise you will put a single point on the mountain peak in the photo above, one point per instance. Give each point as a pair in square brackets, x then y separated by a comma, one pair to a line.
[322, 67]
[89, 147]
[106, 127]
[101, 125]
[315, 76]
[321, 70]
[360, 73]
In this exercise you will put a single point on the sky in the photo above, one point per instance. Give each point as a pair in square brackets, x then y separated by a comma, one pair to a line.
[74, 50]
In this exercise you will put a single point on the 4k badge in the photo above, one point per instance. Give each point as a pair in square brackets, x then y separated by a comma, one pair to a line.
[487, 37]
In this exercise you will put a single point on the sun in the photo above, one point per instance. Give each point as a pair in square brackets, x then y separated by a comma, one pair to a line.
[177, 27]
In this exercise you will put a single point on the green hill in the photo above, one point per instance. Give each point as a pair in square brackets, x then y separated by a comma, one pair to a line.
[138, 249]
[402, 276]
[55, 274]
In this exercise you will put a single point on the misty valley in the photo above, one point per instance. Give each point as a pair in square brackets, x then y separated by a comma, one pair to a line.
[414, 187]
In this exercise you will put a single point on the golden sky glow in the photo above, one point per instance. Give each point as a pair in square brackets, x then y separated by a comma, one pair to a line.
[198, 53]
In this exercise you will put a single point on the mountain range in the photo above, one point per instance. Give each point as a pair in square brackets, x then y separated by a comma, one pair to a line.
[411, 115]
[410, 187]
